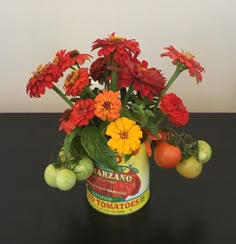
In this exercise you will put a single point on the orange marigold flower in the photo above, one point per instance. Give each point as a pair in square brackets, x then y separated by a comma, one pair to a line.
[43, 77]
[148, 81]
[186, 58]
[173, 106]
[76, 81]
[67, 121]
[83, 111]
[118, 45]
[107, 105]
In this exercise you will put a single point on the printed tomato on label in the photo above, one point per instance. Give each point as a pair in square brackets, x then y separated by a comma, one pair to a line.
[166, 155]
[122, 184]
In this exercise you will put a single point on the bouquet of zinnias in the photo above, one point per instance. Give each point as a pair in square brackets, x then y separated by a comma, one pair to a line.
[115, 105]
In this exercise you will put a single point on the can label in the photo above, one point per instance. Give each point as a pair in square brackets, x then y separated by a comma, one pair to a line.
[122, 192]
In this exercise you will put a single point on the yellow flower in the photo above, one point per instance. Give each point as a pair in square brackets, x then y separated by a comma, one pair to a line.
[125, 135]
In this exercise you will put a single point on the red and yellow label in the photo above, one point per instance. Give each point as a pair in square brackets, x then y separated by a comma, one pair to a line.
[122, 192]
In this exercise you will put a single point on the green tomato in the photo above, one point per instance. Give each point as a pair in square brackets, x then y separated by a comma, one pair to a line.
[61, 156]
[65, 179]
[205, 151]
[189, 168]
[50, 174]
[84, 168]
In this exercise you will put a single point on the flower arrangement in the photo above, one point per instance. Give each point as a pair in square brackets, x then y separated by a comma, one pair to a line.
[115, 105]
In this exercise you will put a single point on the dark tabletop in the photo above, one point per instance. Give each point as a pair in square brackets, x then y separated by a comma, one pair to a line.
[200, 211]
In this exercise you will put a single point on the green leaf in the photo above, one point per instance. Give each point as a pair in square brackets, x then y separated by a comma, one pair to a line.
[127, 157]
[149, 113]
[102, 129]
[152, 127]
[124, 112]
[94, 145]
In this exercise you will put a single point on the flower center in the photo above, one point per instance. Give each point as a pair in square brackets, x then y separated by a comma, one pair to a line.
[56, 60]
[72, 78]
[124, 135]
[82, 110]
[66, 114]
[116, 38]
[107, 105]
[41, 68]
[187, 55]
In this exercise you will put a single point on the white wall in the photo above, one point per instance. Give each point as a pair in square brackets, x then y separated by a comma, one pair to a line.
[32, 31]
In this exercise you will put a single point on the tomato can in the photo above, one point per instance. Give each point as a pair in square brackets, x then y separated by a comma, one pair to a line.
[122, 192]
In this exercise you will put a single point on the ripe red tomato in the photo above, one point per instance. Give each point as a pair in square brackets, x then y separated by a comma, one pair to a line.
[166, 155]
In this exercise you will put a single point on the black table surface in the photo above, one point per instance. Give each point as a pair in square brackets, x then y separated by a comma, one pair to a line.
[182, 211]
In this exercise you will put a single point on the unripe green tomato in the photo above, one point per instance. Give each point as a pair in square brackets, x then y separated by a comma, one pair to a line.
[65, 179]
[205, 151]
[84, 168]
[50, 174]
[189, 168]
[61, 156]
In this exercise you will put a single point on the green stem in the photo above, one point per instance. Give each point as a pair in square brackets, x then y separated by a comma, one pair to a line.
[114, 79]
[89, 91]
[63, 96]
[131, 88]
[171, 81]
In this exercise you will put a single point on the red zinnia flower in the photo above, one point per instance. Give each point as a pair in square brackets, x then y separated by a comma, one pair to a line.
[149, 81]
[64, 60]
[42, 78]
[98, 69]
[83, 111]
[77, 57]
[120, 46]
[186, 58]
[173, 106]
[67, 122]
[76, 81]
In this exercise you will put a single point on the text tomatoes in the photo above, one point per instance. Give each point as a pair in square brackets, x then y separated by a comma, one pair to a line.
[166, 155]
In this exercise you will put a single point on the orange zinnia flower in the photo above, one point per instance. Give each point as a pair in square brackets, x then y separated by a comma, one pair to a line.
[107, 105]
[186, 58]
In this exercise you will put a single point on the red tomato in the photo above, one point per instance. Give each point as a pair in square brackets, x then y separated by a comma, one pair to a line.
[166, 155]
